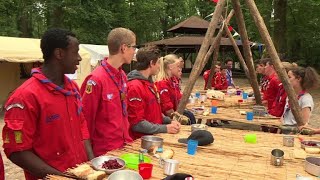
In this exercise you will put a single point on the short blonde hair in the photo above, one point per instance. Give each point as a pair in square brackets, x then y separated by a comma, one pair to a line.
[164, 65]
[117, 37]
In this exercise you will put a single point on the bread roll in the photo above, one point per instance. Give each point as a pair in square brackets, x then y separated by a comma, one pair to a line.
[312, 150]
[167, 154]
[96, 175]
[81, 171]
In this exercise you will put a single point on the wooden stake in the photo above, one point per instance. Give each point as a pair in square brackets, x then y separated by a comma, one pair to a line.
[247, 51]
[276, 61]
[237, 50]
[200, 60]
[214, 62]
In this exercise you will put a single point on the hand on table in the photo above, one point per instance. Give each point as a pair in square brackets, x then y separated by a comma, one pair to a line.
[173, 128]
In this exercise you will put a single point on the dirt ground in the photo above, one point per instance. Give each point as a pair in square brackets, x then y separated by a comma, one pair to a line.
[13, 172]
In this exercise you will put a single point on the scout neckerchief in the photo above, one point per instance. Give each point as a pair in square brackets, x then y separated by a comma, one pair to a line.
[37, 73]
[121, 87]
[264, 83]
[154, 91]
[301, 93]
[229, 77]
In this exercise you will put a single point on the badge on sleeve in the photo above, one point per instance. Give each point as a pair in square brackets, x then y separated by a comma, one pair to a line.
[6, 139]
[15, 105]
[90, 83]
[18, 137]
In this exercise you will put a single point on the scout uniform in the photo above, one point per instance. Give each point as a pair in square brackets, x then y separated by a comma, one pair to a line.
[47, 120]
[105, 108]
[272, 90]
[143, 103]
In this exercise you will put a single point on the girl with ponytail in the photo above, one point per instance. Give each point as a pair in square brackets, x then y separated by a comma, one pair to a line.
[302, 80]
[167, 82]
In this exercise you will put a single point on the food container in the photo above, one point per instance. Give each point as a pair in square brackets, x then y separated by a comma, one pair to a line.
[148, 142]
[312, 166]
[195, 127]
[288, 141]
[311, 144]
[99, 161]
[125, 175]
[198, 110]
[132, 160]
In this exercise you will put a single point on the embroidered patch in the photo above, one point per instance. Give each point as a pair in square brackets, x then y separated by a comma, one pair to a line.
[15, 105]
[163, 90]
[92, 82]
[18, 136]
[135, 99]
[6, 139]
[52, 118]
[109, 96]
[89, 88]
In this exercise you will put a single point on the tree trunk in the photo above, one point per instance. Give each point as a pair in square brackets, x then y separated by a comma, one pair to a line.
[247, 50]
[276, 61]
[200, 60]
[280, 22]
[57, 17]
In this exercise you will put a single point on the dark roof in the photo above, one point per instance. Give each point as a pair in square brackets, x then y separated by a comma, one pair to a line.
[192, 25]
[189, 41]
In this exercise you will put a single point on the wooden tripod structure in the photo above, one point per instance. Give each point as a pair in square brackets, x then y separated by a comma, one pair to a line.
[247, 62]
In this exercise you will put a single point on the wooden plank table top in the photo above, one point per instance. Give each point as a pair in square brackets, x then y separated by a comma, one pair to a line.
[229, 157]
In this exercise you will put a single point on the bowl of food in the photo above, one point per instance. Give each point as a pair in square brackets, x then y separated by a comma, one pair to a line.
[125, 175]
[109, 164]
[198, 110]
[151, 142]
[310, 144]
[195, 127]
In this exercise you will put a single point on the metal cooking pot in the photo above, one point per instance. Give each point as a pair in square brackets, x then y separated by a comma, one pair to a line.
[149, 141]
[312, 166]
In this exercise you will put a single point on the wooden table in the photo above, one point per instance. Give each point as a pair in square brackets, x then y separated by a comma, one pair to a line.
[229, 157]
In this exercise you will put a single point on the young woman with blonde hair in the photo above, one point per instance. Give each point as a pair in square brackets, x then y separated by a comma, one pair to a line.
[167, 82]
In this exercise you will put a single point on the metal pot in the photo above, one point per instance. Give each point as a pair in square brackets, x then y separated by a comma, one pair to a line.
[277, 157]
[170, 166]
[150, 141]
[312, 165]
[288, 141]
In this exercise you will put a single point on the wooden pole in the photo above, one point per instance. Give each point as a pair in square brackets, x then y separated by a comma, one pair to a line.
[276, 61]
[247, 51]
[237, 50]
[199, 64]
[214, 62]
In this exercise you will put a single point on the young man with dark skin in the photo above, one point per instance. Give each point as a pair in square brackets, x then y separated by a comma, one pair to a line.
[45, 131]
[144, 108]
[229, 64]
[104, 95]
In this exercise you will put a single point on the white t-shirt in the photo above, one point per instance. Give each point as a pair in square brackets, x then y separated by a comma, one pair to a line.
[304, 101]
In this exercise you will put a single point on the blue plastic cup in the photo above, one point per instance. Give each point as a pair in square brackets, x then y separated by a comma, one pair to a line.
[214, 109]
[249, 116]
[198, 95]
[192, 147]
[244, 95]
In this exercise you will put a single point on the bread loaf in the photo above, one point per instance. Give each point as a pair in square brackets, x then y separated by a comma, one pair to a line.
[167, 154]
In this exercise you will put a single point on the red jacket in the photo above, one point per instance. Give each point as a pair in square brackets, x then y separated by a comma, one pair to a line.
[43, 120]
[206, 79]
[170, 94]
[1, 168]
[279, 103]
[220, 81]
[143, 104]
[272, 90]
[104, 110]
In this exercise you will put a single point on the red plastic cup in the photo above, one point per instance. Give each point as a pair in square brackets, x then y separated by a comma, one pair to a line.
[145, 170]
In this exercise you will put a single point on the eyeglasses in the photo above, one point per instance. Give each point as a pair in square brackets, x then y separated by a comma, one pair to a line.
[132, 46]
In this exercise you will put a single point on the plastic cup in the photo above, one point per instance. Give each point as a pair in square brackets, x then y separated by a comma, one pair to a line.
[145, 170]
[192, 147]
[250, 138]
[244, 95]
[249, 116]
[214, 109]
[214, 103]
[198, 95]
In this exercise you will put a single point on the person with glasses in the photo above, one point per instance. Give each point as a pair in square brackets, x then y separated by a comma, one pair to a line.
[144, 108]
[104, 95]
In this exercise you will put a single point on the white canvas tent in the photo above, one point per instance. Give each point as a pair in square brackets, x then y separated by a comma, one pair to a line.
[23, 52]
